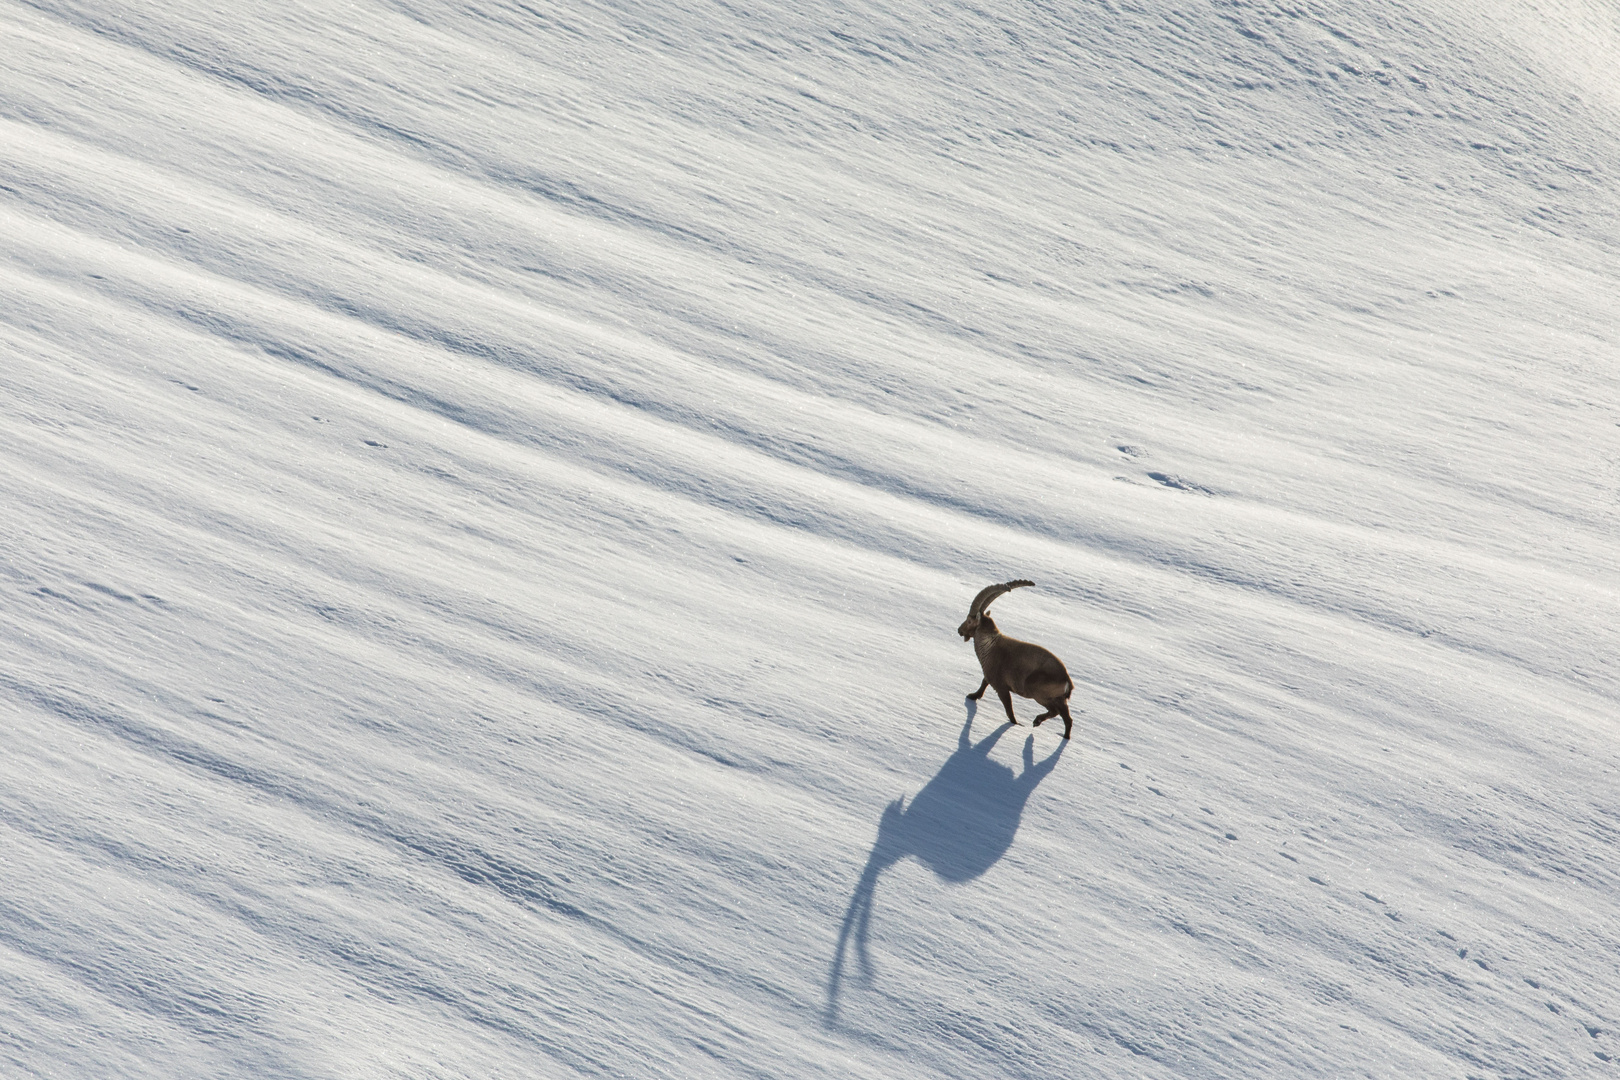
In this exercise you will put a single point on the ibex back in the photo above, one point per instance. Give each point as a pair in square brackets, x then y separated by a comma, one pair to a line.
[1016, 667]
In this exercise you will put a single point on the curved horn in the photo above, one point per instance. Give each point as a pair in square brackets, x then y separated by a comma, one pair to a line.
[989, 593]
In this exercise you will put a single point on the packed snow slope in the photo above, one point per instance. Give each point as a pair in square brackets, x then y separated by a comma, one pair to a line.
[487, 491]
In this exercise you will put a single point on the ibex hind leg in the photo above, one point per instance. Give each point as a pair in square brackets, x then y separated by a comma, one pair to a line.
[1060, 707]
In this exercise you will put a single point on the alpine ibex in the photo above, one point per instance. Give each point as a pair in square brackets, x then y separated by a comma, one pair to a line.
[1016, 667]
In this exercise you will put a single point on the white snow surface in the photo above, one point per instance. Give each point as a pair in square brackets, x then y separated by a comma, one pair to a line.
[487, 490]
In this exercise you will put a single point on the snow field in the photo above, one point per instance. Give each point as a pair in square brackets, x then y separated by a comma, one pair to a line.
[489, 491]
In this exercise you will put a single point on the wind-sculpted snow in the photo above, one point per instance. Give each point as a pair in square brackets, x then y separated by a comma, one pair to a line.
[489, 489]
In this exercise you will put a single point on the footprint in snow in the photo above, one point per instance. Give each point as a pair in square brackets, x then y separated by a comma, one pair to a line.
[1170, 480]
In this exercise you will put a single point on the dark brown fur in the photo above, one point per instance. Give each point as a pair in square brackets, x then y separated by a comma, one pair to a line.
[1016, 667]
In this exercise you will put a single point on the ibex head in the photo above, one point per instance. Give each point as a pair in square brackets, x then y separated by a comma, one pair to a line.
[977, 613]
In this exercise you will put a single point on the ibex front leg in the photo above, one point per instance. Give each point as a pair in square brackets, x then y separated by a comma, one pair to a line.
[979, 693]
[1006, 701]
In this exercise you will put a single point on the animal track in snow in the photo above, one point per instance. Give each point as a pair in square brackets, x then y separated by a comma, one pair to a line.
[1170, 480]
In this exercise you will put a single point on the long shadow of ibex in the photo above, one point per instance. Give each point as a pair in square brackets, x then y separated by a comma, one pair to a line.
[958, 825]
